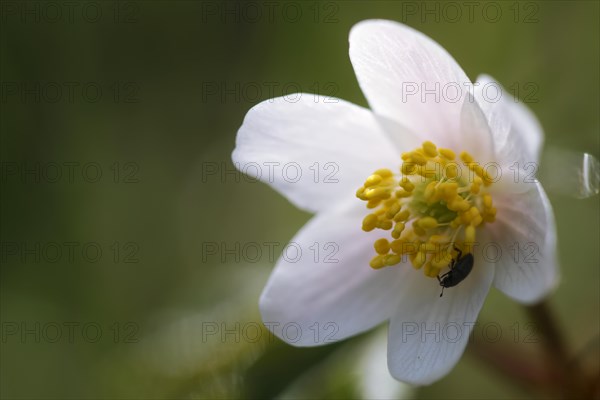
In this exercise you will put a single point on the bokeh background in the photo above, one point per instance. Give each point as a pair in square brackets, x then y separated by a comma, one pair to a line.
[117, 122]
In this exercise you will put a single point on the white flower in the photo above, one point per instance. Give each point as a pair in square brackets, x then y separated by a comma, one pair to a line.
[310, 300]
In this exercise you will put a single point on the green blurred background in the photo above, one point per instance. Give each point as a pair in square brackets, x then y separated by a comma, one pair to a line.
[150, 94]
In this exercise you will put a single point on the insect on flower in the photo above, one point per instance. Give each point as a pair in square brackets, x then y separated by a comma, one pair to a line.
[460, 267]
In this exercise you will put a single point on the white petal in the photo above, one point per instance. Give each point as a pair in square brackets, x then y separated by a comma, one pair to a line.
[316, 301]
[475, 132]
[408, 77]
[509, 179]
[428, 334]
[525, 233]
[312, 151]
[518, 135]
[375, 380]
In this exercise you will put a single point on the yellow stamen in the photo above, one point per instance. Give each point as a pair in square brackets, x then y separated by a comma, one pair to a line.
[426, 207]
[370, 222]
[384, 173]
[382, 246]
[402, 193]
[418, 260]
[430, 270]
[428, 247]
[393, 210]
[407, 185]
[451, 170]
[487, 201]
[466, 157]
[373, 180]
[398, 230]
[447, 154]
[428, 223]
[430, 149]
[386, 225]
[378, 262]
[402, 216]
[470, 234]
[392, 259]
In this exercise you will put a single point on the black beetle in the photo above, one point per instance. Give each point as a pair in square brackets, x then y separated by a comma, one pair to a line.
[459, 270]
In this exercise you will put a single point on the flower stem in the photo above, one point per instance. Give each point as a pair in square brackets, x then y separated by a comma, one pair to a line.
[506, 359]
[557, 372]
[570, 377]
[554, 343]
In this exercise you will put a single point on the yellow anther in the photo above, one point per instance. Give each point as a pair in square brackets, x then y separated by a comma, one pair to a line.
[429, 149]
[384, 173]
[448, 191]
[431, 271]
[487, 200]
[463, 205]
[378, 262]
[487, 179]
[470, 234]
[455, 223]
[386, 225]
[428, 223]
[402, 193]
[439, 239]
[430, 190]
[360, 193]
[478, 169]
[397, 246]
[390, 202]
[474, 211]
[451, 170]
[418, 259]
[382, 246]
[402, 216]
[418, 158]
[429, 247]
[407, 185]
[465, 218]
[458, 204]
[398, 228]
[369, 222]
[490, 215]
[410, 248]
[392, 259]
[471, 216]
[373, 203]
[429, 171]
[378, 192]
[475, 188]
[409, 168]
[373, 180]
[393, 209]
[440, 260]
[419, 231]
[447, 154]
[466, 157]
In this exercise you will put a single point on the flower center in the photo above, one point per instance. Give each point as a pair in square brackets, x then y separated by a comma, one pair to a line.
[435, 204]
